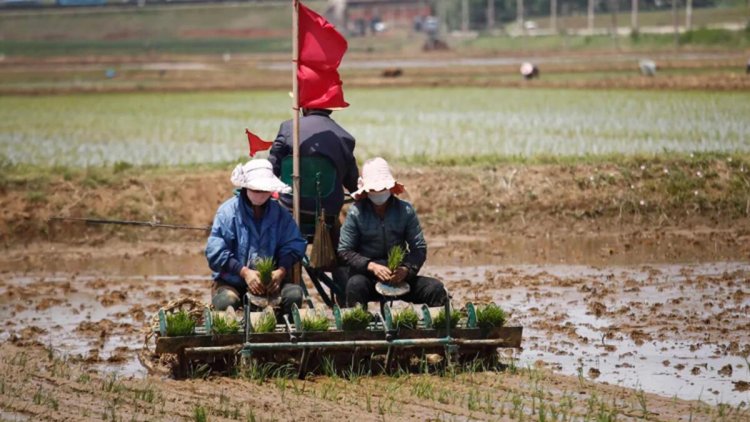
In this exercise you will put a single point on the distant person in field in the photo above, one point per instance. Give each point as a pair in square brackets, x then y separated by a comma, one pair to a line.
[250, 226]
[320, 135]
[376, 222]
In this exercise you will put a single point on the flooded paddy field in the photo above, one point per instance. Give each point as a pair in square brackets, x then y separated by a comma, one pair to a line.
[436, 123]
[671, 330]
[629, 275]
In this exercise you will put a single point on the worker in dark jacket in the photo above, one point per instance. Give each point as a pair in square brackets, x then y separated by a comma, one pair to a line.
[322, 136]
[319, 135]
[377, 222]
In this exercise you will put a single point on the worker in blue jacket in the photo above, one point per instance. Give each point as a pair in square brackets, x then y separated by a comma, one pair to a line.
[248, 227]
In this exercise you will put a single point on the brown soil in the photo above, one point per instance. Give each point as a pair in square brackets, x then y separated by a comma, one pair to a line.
[251, 33]
[40, 384]
[584, 70]
[658, 211]
[76, 296]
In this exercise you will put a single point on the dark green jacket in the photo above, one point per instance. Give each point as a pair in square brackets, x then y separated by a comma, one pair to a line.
[365, 237]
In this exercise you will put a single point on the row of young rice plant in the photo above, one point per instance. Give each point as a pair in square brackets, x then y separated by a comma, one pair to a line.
[184, 128]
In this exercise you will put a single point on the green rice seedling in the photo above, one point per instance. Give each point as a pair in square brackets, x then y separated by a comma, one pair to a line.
[491, 316]
[315, 323]
[180, 324]
[225, 325]
[199, 414]
[266, 323]
[328, 366]
[356, 319]
[439, 321]
[265, 267]
[395, 257]
[407, 319]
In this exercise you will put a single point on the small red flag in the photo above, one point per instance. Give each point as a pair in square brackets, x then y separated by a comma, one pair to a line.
[321, 49]
[256, 144]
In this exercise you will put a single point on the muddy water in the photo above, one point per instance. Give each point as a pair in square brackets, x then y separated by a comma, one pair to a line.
[675, 330]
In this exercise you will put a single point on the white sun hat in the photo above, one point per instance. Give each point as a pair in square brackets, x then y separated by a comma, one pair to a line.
[376, 176]
[258, 175]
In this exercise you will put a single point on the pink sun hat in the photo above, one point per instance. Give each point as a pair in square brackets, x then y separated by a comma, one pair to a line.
[376, 176]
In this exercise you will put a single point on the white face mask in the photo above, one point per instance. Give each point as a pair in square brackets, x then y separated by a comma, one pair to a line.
[258, 198]
[379, 198]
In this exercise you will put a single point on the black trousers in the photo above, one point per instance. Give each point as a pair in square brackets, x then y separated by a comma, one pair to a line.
[360, 289]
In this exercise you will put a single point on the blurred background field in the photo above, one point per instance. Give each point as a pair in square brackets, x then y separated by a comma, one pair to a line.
[264, 27]
[176, 84]
[414, 124]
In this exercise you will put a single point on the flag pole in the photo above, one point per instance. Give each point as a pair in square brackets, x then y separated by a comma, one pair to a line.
[297, 269]
[295, 111]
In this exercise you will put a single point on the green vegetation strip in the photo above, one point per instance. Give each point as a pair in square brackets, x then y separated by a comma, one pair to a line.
[431, 125]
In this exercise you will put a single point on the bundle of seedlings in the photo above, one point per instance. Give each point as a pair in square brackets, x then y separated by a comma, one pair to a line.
[395, 257]
[315, 322]
[225, 325]
[406, 319]
[490, 316]
[180, 324]
[266, 323]
[356, 319]
[439, 321]
[265, 267]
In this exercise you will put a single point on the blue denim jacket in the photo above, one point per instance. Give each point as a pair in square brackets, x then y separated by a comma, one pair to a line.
[234, 235]
[365, 237]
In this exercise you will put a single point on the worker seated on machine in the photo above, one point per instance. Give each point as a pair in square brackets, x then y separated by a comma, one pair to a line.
[377, 222]
[247, 228]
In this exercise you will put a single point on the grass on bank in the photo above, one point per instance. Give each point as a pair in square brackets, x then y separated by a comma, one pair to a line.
[36, 176]
[699, 38]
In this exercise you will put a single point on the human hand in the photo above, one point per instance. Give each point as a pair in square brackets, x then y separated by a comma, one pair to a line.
[399, 275]
[277, 277]
[380, 271]
[252, 278]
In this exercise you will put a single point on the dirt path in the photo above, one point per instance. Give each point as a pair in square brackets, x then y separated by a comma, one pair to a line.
[708, 70]
[38, 383]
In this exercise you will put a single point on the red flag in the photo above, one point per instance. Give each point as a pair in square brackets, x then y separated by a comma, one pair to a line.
[321, 49]
[256, 144]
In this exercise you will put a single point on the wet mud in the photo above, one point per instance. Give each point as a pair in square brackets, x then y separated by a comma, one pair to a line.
[634, 312]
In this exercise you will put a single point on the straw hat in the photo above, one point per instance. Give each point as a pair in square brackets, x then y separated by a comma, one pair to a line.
[258, 175]
[376, 176]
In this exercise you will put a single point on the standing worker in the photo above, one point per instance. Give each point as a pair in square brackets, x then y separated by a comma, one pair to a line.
[320, 135]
